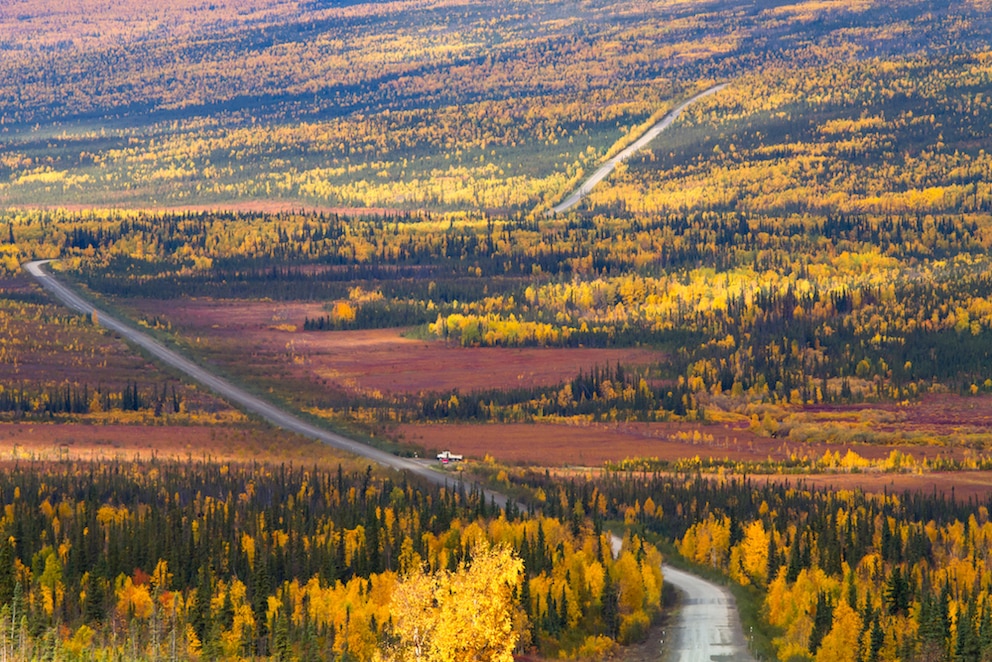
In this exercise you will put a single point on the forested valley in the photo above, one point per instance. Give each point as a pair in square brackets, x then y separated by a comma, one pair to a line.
[772, 327]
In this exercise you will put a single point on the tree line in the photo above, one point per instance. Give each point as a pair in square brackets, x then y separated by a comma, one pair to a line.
[75, 398]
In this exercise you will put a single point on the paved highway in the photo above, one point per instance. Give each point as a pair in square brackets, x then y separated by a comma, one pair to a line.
[604, 170]
[708, 627]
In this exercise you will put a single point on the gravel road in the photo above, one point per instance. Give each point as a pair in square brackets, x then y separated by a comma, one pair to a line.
[604, 170]
[708, 628]
[229, 391]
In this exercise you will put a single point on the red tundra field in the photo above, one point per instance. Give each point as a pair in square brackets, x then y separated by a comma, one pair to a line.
[215, 443]
[384, 362]
[377, 360]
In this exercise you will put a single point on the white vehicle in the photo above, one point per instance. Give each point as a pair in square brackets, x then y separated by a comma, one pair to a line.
[447, 456]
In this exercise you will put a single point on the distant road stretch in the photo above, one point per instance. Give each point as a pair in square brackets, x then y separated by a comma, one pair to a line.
[229, 391]
[604, 170]
[708, 628]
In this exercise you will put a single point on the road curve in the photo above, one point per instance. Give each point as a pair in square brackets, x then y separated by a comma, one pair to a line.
[708, 628]
[232, 393]
[604, 170]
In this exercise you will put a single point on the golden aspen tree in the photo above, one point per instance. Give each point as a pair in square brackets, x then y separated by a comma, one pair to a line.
[463, 615]
[841, 643]
[754, 551]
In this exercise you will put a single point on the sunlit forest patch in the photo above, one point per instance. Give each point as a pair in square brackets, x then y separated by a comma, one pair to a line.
[445, 105]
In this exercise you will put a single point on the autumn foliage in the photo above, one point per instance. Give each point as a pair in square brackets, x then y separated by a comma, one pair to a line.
[843, 575]
[224, 561]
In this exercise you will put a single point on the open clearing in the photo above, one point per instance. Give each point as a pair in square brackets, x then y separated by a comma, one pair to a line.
[595, 443]
[963, 485]
[383, 361]
[375, 360]
[936, 414]
[236, 443]
[44, 346]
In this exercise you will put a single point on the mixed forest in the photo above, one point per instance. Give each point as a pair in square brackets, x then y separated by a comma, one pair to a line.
[199, 560]
[400, 105]
[803, 256]
[839, 575]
